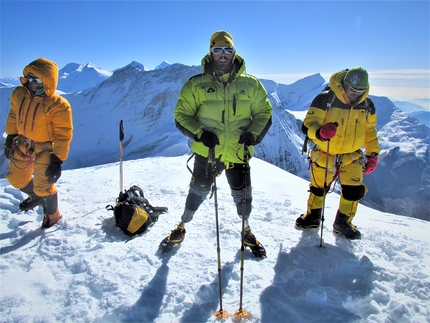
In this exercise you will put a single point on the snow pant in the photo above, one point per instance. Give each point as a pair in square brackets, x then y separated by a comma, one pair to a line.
[348, 169]
[202, 180]
[27, 168]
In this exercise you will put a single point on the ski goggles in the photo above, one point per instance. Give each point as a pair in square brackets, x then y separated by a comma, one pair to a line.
[33, 79]
[219, 50]
[358, 91]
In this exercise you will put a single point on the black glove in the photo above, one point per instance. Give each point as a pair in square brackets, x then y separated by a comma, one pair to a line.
[9, 145]
[247, 139]
[54, 169]
[209, 139]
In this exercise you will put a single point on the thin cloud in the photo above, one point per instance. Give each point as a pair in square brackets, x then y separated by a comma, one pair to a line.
[404, 74]
[400, 74]
[399, 84]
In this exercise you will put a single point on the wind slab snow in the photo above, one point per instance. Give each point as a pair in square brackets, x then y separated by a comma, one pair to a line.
[85, 270]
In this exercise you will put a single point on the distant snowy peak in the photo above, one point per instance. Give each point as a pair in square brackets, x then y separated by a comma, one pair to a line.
[405, 132]
[76, 77]
[135, 66]
[69, 68]
[129, 69]
[3, 85]
[138, 66]
[296, 96]
[72, 68]
[9, 82]
[164, 64]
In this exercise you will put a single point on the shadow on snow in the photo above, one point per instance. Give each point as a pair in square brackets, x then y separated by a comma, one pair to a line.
[311, 283]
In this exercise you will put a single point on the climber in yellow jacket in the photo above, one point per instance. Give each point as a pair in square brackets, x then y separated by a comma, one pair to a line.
[39, 131]
[341, 122]
[225, 110]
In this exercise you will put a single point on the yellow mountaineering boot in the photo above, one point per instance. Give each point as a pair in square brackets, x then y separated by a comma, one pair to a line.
[174, 238]
[343, 221]
[251, 241]
[312, 218]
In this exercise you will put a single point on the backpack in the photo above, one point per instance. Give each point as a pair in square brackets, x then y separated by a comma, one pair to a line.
[133, 213]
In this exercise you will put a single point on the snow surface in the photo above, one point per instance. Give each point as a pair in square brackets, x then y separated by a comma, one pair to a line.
[85, 269]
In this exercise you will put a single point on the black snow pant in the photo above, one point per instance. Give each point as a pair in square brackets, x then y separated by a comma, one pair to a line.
[202, 180]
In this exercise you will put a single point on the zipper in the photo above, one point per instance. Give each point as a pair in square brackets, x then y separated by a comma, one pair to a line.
[20, 109]
[355, 132]
[234, 105]
[27, 115]
[34, 116]
[26, 118]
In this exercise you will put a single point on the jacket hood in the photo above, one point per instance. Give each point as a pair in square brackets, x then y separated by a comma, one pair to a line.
[238, 61]
[336, 81]
[44, 69]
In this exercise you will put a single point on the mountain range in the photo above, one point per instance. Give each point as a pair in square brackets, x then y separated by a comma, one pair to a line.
[145, 100]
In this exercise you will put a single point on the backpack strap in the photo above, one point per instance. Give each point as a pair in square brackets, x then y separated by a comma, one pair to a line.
[329, 105]
[333, 97]
[366, 102]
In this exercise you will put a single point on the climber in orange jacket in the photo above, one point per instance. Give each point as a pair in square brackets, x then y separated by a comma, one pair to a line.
[39, 130]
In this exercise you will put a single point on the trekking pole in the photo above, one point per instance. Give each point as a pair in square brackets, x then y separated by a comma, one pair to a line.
[121, 138]
[241, 312]
[324, 193]
[211, 160]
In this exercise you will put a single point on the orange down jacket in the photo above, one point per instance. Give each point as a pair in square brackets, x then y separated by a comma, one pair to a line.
[46, 118]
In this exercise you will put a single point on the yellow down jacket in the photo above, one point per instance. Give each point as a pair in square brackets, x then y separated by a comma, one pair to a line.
[42, 119]
[225, 108]
[356, 121]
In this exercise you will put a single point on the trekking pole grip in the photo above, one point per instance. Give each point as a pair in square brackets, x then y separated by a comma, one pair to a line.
[121, 131]
[121, 138]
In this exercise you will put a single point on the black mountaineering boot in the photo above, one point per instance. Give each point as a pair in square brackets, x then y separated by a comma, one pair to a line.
[311, 220]
[32, 200]
[342, 225]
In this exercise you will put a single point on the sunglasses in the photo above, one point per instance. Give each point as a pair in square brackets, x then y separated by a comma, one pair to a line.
[356, 90]
[227, 50]
[34, 79]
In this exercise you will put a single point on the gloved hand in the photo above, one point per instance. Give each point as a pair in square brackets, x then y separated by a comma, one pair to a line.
[209, 139]
[53, 172]
[370, 165]
[9, 145]
[327, 131]
[247, 139]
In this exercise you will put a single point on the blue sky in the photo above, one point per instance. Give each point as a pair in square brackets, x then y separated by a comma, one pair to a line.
[280, 40]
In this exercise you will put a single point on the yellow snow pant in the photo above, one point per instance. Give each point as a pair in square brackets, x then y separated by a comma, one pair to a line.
[350, 173]
[31, 158]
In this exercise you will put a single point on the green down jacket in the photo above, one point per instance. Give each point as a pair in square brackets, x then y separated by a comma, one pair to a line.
[227, 109]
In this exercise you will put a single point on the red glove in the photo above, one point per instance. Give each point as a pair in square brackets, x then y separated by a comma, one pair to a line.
[327, 131]
[370, 165]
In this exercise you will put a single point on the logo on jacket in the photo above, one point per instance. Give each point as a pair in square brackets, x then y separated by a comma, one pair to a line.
[210, 90]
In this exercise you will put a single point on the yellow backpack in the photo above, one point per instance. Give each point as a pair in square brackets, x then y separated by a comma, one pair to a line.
[133, 213]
